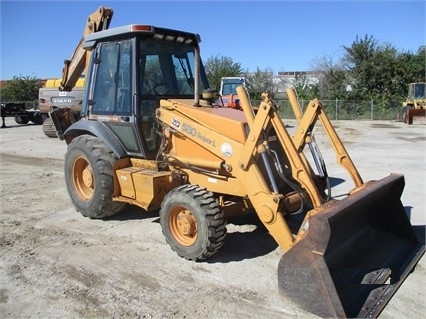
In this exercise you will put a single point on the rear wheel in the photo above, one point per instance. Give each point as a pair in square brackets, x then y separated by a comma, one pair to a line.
[22, 119]
[89, 177]
[38, 118]
[192, 222]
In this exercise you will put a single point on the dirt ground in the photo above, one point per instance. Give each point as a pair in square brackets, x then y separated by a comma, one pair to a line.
[54, 263]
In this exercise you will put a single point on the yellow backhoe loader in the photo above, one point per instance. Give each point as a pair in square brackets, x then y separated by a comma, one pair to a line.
[147, 136]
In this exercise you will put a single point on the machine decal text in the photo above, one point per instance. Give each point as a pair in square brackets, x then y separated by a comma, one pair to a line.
[175, 123]
[193, 132]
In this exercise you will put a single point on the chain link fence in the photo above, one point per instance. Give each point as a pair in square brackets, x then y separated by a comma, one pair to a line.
[342, 109]
[335, 109]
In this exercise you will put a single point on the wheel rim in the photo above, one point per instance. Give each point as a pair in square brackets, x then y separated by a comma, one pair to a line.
[183, 226]
[83, 178]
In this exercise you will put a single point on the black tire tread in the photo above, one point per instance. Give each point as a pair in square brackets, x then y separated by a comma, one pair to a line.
[214, 217]
[101, 205]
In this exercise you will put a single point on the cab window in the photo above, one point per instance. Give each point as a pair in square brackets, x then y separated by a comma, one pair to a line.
[112, 92]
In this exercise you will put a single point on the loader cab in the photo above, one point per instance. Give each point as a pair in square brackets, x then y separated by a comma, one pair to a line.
[228, 96]
[132, 69]
[417, 91]
[228, 85]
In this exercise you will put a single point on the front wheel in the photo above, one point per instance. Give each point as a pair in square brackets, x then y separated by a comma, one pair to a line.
[89, 177]
[192, 222]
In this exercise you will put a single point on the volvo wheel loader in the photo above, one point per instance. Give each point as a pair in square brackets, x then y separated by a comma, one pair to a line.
[147, 136]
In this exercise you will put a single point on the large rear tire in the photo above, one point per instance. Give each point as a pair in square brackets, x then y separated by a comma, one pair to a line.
[192, 222]
[89, 177]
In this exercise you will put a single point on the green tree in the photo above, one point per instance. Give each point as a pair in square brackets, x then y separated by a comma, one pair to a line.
[373, 69]
[259, 82]
[333, 83]
[381, 73]
[412, 68]
[370, 70]
[22, 88]
[217, 67]
[305, 88]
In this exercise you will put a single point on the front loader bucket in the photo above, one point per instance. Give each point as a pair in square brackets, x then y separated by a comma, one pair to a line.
[357, 253]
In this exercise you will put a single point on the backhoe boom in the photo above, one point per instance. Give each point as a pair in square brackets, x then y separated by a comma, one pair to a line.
[74, 68]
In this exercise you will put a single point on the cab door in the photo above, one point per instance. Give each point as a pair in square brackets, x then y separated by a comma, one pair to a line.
[113, 94]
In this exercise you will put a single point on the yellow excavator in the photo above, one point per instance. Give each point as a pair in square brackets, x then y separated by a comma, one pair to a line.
[150, 134]
[50, 96]
[65, 95]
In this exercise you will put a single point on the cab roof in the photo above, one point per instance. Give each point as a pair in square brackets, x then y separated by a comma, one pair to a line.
[140, 29]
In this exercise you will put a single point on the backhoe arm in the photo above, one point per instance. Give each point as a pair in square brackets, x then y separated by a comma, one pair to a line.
[74, 68]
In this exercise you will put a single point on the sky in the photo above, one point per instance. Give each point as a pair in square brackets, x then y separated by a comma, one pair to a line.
[36, 36]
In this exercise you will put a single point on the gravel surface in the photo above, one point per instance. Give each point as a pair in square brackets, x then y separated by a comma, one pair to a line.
[54, 263]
